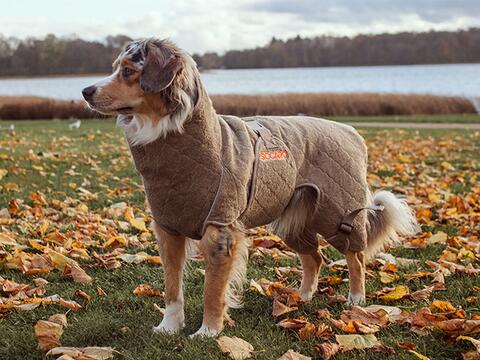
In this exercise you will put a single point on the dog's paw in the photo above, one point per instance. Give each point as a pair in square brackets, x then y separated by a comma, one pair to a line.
[167, 327]
[206, 331]
[306, 295]
[355, 299]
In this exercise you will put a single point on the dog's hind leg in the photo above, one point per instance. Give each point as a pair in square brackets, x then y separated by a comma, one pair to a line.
[356, 274]
[220, 248]
[172, 252]
[311, 264]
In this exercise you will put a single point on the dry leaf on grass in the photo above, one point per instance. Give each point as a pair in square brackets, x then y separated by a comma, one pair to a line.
[145, 289]
[48, 332]
[76, 273]
[327, 349]
[459, 326]
[234, 347]
[280, 309]
[475, 342]
[292, 355]
[418, 355]
[350, 342]
[90, 353]
[397, 293]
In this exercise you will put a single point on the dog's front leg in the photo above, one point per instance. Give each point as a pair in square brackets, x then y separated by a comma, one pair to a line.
[311, 264]
[219, 246]
[356, 274]
[172, 252]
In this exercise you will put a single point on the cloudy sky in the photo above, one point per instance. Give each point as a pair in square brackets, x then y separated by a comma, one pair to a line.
[219, 25]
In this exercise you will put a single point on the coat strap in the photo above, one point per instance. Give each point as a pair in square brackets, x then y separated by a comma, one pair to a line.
[340, 240]
[263, 132]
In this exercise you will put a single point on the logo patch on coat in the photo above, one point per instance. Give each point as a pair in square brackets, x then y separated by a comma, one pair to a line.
[273, 155]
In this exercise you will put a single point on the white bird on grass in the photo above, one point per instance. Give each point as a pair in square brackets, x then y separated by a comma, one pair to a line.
[75, 125]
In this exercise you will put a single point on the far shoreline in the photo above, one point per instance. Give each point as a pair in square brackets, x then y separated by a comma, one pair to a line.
[48, 76]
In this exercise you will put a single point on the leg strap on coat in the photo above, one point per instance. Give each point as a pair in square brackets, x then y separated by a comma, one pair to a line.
[340, 240]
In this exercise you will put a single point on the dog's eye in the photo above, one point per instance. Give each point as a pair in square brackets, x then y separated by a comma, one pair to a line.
[127, 72]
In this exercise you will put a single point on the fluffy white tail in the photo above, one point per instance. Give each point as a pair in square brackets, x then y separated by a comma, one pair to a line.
[384, 228]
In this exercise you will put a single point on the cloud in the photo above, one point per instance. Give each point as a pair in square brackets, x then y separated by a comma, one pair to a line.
[370, 11]
[217, 25]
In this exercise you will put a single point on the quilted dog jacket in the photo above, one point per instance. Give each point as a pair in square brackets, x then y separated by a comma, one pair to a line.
[223, 169]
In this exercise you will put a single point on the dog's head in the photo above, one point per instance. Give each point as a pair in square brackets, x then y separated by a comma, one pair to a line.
[154, 87]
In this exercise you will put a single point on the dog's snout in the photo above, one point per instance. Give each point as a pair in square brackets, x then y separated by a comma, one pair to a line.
[88, 92]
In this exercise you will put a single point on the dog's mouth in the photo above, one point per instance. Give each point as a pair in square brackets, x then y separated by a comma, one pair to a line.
[107, 110]
[125, 110]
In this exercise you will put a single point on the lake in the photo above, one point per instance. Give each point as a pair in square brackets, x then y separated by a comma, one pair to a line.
[452, 79]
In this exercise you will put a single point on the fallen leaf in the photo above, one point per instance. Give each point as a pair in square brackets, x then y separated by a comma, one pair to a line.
[234, 347]
[327, 349]
[48, 334]
[86, 353]
[397, 293]
[83, 295]
[418, 355]
[280, 309]
[292, 355]
[442, 306]
[387, 278]
[475, 342]
[438, 238]
[350, 342]
[76, 273]
[145, 289]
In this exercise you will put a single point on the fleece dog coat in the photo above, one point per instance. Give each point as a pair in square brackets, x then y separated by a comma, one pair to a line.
[224, 169]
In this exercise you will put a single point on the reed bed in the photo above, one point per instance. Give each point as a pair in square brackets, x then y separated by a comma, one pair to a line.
[321, 104]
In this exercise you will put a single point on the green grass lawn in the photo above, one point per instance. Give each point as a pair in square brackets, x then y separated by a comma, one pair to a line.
[46, 156]
[457, 119]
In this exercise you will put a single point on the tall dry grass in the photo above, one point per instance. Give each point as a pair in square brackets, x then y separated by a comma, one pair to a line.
[327, 104]
[14, 108]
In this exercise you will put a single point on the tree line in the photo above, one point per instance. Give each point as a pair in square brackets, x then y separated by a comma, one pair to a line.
[54, 55]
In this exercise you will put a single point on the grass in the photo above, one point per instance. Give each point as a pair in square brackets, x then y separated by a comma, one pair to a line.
[455, 118]
[123, 320]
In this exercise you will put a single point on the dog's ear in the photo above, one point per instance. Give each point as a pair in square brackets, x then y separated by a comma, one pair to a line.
[159, 69]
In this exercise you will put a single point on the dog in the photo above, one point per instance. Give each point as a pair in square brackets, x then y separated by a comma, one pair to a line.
[210, 177]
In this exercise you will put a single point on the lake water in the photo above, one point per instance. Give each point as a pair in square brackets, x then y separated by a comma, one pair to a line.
[455, 79]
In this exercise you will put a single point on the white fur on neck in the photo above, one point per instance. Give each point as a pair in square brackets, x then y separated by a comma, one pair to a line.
[141, 131]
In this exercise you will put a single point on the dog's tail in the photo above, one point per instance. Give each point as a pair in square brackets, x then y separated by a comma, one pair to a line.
[385, 227]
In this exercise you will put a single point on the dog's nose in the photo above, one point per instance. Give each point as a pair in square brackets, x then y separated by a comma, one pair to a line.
[88, 92]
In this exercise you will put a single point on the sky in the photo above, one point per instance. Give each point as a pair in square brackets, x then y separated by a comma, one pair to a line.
[221, 25]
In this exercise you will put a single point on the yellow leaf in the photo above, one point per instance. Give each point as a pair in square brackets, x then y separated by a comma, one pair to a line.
[475, 342]
[439, 238]
[59, 260]
[443, 306]
[72, 185]
[420, 356]
[236, 348]
[115, 241]
[397, 293]
[139, 224]
[350, 342]
[387, 278]
[128, 214]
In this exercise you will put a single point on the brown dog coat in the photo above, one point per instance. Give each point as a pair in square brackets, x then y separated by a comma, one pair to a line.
[224, 169]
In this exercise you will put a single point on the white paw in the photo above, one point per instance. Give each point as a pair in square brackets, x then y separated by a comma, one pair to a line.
[166, 328]
[306, 295]
[206, 331]
[355, 299]
[173, 321]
